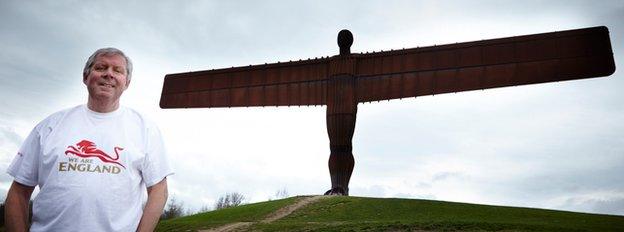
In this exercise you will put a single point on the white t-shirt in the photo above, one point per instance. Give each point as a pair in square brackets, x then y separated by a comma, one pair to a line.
[92, 169]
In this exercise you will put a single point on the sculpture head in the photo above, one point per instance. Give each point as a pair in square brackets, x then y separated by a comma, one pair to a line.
[345, 40]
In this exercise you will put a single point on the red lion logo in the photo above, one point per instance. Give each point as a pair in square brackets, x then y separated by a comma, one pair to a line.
[88, 149]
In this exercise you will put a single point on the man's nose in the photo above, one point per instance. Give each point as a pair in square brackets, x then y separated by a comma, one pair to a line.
[108, 73]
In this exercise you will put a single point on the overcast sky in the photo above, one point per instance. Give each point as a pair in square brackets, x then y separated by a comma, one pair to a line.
[556, 146]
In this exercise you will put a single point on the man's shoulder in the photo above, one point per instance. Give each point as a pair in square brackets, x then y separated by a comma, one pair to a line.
[131, 111]
[135, 115]
[69, 110]
[55, 117]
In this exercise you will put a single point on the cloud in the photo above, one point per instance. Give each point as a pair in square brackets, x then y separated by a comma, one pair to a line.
[612, 206]
[8, 137]
[596, 202]
[536, 146]
[9, 143]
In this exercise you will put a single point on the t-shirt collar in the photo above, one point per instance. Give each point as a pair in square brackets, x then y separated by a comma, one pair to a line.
[102, 115]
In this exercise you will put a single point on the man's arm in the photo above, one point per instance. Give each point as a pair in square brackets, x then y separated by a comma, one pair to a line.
[156, 199]
[16, 207]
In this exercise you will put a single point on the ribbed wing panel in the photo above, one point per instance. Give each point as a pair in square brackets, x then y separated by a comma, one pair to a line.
[281, 84]
[521, 60]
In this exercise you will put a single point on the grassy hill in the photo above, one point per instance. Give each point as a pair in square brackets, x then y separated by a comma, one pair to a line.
[376, 214]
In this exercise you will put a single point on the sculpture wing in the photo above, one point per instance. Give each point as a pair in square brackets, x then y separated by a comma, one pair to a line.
[280, 84]
[530, 59]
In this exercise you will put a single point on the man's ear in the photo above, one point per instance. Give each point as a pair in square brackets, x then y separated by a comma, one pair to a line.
[127, 83]
[84, 78]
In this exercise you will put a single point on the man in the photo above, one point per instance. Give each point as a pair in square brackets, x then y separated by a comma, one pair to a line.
[92, 163]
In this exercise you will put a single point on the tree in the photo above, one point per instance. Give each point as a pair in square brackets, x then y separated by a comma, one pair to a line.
[174, 209]
[229, 200]
[280, 194]
[2, 214]
[204, 209]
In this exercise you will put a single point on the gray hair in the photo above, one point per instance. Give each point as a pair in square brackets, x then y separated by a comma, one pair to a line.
[107, 51]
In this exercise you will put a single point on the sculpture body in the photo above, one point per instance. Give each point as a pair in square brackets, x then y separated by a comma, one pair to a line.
[343, 81]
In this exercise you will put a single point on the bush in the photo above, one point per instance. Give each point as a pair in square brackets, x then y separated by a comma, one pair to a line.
[2, 214]
[204, 209]
[229, 200]
[281, 194]
[173, 210]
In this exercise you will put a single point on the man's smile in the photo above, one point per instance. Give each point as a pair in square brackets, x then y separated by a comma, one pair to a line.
[107, 85]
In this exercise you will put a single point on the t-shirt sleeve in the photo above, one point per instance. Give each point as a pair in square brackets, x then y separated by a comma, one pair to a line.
[25, 166]
[156, 166]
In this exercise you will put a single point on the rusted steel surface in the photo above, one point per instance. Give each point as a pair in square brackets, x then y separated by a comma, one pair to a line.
[521, 60]
[530, 59]
[340, 118]
[344, 80]
[281, 84]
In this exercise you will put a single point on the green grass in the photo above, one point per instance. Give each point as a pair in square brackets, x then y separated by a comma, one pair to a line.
[375, 214]
[245, 213]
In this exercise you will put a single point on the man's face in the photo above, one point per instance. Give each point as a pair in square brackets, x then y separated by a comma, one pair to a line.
[108, 78]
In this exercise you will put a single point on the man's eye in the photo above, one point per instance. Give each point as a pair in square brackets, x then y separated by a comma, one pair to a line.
[119, 70]
[99, 68]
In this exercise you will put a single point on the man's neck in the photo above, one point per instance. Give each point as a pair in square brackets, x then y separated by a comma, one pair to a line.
[102, 106]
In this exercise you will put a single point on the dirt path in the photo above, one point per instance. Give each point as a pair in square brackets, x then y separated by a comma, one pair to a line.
[285, 211]
[229, 227]
[280, 213]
